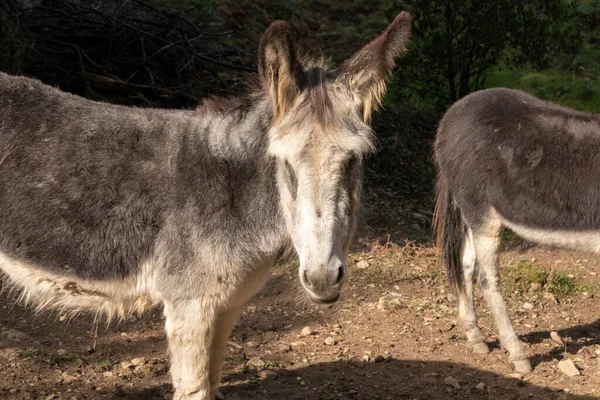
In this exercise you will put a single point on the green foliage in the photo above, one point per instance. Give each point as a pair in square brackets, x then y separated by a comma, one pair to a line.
[456, 43]
[566, 88]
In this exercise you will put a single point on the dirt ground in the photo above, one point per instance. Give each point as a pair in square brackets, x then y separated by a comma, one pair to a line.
[393, 335]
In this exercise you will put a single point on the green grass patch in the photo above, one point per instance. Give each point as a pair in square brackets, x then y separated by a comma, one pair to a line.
[103, 364]
[62, 357]
[31, 352]
[528, 275]
[565, 88]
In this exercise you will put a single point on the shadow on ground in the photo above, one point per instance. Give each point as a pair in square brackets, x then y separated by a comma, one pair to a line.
[396, 379]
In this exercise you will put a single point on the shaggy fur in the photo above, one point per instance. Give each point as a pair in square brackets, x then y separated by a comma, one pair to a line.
[114, 209]
[506, 158]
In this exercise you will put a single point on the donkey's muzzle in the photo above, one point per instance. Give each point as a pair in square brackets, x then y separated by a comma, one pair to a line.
[323, 283]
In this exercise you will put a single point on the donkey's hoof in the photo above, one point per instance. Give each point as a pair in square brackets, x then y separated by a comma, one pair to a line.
[523, 366]
[481, 348]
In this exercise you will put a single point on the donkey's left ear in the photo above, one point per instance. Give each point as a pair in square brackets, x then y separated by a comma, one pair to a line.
[366, 71]
[278, 67]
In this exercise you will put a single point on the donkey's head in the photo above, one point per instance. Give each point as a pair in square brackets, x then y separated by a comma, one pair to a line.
[319, 135]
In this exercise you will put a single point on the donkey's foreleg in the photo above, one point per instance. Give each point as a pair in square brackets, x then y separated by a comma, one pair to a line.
[486, 249]
[466, 310]
[223, 326]
[190, 326]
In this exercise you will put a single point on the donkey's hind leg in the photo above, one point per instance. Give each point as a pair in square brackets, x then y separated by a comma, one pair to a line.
[466, 310]
[486, 246]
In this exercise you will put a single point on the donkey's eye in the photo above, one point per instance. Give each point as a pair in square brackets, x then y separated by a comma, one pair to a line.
[291, 178]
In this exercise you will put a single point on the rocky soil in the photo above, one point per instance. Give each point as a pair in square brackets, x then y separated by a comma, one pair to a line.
[393, 335]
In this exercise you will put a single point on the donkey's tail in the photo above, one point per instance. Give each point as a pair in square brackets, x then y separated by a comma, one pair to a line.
[449, 226]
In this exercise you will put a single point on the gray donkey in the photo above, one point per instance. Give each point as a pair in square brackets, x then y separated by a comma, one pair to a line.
[114, 209]
[508, 159]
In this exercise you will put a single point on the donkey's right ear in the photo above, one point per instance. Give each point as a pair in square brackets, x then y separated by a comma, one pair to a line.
[278, 67]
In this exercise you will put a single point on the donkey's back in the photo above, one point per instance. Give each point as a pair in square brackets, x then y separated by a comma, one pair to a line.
[508, 159]
[83, 191]
[535, 163]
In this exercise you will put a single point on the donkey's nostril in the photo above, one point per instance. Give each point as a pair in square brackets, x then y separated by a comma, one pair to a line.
[340, 276]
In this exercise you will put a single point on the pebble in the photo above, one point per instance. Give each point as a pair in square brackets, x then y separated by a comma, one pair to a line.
[528, 306]
[306, 331]
[9, 354]
[267, 374]
[557, 338]
[62, 352]
[568, 368]
[138, 361]
[550, 297]
[66, 378]
[480, 386]
[356, 362]
[255, 362]
[126, 365]
[452, 381]
[329, 341]
[362, 264]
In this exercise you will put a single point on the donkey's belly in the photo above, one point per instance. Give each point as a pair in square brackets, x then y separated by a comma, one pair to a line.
[46, 289]
[587, 240]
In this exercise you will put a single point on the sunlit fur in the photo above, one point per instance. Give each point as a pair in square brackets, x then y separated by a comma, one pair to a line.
[113, 209]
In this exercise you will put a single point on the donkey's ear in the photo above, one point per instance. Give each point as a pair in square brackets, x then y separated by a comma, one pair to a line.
[366, 71]
[278, 67]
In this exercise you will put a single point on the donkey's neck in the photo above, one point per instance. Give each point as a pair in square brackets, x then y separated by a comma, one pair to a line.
[236, 191]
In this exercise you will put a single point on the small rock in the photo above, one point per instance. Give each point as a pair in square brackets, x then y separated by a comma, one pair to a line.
[9, 354]
[416, 227]
[362, 264]
[283, 347]
[528, 306]
[379, 359]
[366, 358]
[452, 381]
[556, 337]
[14, 335]
[329, 341]
[108, 374]
[568, 368]
[298, 344]
[480, 386]
[267, 374]
[550, 297]
[66, 378]
[138, 361]
[62, 352]
[126, 365]
[51, 396]
[255, 362]
[451, 298]
[355, 362]
[306, 331]
[251, 345]
[535, 287]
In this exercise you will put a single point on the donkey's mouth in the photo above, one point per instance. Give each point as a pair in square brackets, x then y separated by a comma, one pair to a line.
[325, 301]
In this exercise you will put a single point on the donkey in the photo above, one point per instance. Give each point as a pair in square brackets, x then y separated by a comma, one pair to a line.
[115, 209]
[508, 159]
